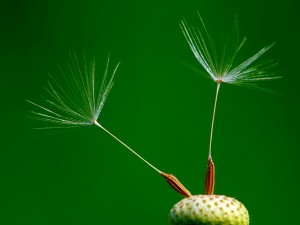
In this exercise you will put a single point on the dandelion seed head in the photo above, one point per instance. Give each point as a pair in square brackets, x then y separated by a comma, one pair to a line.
[226, 65]
[77, 99]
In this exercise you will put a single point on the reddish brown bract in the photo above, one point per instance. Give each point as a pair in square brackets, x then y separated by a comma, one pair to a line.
[210, 177]
[176, 185]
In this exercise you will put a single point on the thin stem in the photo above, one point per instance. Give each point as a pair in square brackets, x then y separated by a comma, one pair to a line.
[130, 149]
[213, 118]
[210, 172]
[170, 178]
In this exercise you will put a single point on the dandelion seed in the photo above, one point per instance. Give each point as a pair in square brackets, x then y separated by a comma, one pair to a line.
[224, 67]
[78, 100]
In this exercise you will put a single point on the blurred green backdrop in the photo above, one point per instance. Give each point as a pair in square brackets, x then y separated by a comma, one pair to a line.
[158, 106]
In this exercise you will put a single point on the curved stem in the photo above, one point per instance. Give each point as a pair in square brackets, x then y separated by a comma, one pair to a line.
[213, 119]
[210, 172]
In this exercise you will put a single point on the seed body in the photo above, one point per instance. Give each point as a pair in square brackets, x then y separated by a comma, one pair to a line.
[209, 210]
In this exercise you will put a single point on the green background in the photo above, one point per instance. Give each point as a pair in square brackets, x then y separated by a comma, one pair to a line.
[158, 106]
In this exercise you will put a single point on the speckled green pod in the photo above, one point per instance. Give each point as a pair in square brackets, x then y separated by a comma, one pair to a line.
[209, 210]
